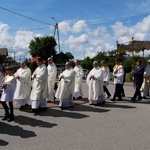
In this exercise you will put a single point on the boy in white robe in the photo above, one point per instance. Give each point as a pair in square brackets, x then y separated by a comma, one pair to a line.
[23, 88]
[146, 82]
[106, 77]
[65, 90]
[1, 82]
[52, 72]
[118, 73]
[95, 84]
[39, 87]
[78, 80]
[8, 86]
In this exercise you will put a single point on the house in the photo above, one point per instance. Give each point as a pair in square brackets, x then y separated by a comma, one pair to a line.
[3, 55]
[4, 52]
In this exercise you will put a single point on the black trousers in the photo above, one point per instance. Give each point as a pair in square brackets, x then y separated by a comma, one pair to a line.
[7, 113]
[137, 91]
[118, 91]
[106, 90]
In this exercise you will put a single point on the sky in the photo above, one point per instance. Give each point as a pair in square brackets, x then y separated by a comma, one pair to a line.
[85, 27]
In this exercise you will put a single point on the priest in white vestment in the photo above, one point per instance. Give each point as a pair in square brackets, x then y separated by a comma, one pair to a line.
[78, 80]
[39, 91]
[52, 72]
[23, 88]
[95, 84]
[65, 90]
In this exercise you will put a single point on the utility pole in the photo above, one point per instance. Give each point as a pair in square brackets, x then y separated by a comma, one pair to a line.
[57, 30]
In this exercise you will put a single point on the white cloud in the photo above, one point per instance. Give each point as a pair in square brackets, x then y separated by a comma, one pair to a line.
[79, 26]
[72, 26]
[64, 27]
[6, 39]
[139, 31]
[99, 32]
[79, 40]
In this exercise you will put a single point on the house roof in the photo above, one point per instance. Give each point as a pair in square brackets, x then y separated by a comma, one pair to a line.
[3, 51]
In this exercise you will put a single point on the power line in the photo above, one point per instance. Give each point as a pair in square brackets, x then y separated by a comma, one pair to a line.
[116, 19]
[24, 16]
[30, 29]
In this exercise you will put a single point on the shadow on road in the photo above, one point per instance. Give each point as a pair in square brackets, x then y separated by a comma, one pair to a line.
[63, 113]
[90, 108]
[117, 104]
[23, 120]
[15, 131]
[3, 143]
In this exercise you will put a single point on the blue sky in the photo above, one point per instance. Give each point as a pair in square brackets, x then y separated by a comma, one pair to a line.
[85, 27]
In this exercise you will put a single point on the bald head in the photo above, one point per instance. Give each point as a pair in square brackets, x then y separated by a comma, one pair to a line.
[50, 60]
[68, 65]
[23, 64]
[95, 64]
[77, 62]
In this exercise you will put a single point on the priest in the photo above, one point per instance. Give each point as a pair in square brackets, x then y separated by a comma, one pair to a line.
[65, 90]
[95, 83]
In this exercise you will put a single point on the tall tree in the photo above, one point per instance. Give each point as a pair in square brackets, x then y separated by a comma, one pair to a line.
[87, 63]
[43, 47]
[69, 54]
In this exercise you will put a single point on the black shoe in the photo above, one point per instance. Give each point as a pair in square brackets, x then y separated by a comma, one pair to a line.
[144, 97]
[139, 98]
[133, 99]
[103, 102]
[113, 99]
[5, 118]
[43, 109]
[21, 108]
[80, 97]
[108, 96]
[11, 119]
[120, 99]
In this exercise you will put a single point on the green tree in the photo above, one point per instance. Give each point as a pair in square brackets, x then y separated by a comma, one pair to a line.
[69, 54]
[87, 63]
[100, 56]
[43, 47]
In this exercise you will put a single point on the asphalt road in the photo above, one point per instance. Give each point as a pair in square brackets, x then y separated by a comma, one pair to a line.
[114, 126]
